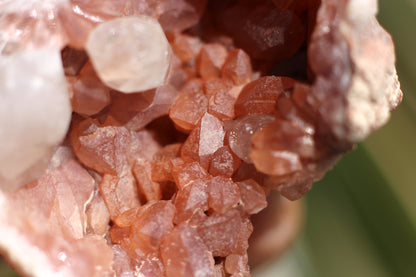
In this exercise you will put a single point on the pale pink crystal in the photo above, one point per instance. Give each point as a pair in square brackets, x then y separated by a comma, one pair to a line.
[260, 96]
[58, 228]
[153, 222]
[102, 148]
[89, 95]
[186, 47]
[211, 136]
[179, 15]
[148, 189]
[237, 67]
[37, 77]
[98, 217]
[224, 162]
[183, 173]
[123, 59]
[241, 131]
[203, 141]
[161, 166]
[143, 145]
[189, 106]
[253, 196]
[223, 194]
[119, 192]
[221, 104]
[217, 85]
[237, 264]
[210, 60]
[163, 99]
[121, 262]
[189, 199]
[184, 254]
[220, 232]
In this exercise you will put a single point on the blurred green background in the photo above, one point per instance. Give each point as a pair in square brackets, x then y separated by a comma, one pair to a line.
[361, 219]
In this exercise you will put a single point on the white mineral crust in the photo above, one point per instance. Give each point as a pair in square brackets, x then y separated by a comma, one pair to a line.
[35, 113]
[130, 54]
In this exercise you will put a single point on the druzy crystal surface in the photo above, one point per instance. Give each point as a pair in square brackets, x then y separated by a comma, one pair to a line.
[185, 116]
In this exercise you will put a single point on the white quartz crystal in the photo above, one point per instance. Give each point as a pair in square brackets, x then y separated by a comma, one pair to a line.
[35, 113]
[130, 54]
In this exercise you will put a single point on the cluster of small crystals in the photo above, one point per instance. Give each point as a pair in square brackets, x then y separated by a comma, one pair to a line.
[179, 202]
[163, 182]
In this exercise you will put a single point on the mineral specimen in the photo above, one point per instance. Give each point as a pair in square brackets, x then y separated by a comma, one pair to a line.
[179, 129]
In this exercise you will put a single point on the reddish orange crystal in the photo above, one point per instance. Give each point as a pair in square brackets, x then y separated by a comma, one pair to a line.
[90, 95]
[101, 148]
[185, 254]
[189, 106]
[237, 67]
[224, 162]
[210, 60]
[220, 232]
[252, 196]
[152, 223]
[260, 96]
[119, 193]
[223, 194]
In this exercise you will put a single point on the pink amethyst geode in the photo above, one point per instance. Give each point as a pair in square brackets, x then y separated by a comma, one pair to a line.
[139, 136]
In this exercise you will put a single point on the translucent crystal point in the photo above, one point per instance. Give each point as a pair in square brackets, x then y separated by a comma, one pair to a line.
[130, 54]
[34, 113]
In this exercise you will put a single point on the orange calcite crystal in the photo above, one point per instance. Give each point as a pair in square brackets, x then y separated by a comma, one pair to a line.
[237, 67]
[147, 188]
[185, 254]
[189, 106]
[186, 47]
[161, 166]
[260, 96]
[191, 199]
[213, 86]
[224, 162]
[98, 217]
[184, 173]
[164, 180]
[153, 221]
[210, 60]
[222, 104]
[223, 194]
[119, 192]
[90, 95]
[242, 129]
[220, 232]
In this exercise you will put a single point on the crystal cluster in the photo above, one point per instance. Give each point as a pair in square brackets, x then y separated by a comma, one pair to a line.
[185, 115]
